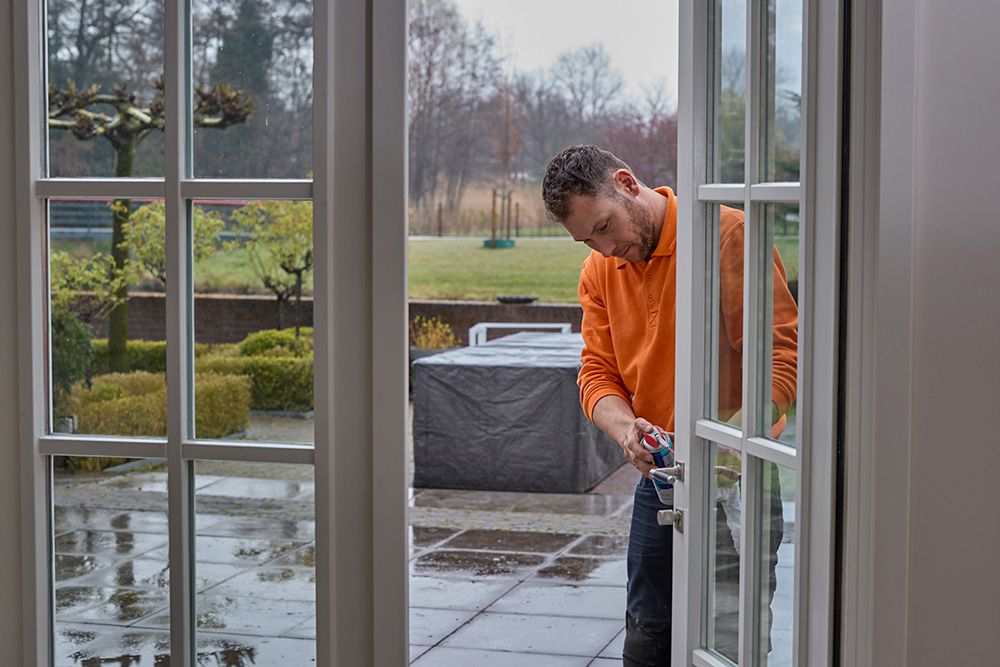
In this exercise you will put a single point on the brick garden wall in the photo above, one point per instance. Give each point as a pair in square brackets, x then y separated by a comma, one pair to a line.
[229, 318]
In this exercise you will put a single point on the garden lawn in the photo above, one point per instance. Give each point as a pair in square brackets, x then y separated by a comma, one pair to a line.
[463, 269]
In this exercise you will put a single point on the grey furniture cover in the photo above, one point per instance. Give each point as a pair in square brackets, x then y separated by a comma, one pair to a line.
[506, 416]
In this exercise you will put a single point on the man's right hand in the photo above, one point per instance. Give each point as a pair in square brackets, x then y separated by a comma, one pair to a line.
[614, 416]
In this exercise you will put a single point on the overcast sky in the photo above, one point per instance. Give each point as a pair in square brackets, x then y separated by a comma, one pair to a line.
[640, 36]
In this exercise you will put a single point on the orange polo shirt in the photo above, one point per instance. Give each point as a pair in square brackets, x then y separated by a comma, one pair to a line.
[629, 324]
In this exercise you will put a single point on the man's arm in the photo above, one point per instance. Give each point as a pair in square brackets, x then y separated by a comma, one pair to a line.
[614, 416]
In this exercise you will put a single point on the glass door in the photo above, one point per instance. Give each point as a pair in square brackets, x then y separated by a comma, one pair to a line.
[749, 391]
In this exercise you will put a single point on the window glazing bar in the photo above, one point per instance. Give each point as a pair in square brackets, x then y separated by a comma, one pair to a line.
[100, 188]
[264, 453]
[727, 193]
[255, 189]
[777, 193]
[724, 434]
[130, 448]
[769, 450]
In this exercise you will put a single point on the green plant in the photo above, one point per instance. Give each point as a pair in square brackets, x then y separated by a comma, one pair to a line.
[72, 352]
[430, 333]
[143, 355]
[277, 342]
[277, 383]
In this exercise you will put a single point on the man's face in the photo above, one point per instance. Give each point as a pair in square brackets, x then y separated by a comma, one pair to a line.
[615, 226]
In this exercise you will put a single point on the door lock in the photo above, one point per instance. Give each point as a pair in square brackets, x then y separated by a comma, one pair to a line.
[671, 517]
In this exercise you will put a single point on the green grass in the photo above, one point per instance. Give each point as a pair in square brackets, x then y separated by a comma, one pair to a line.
[465, 270]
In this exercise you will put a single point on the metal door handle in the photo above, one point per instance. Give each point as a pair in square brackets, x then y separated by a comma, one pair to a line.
[670, 475]
[671, 517]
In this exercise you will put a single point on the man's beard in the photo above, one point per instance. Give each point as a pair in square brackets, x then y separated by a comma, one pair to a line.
[642, 224]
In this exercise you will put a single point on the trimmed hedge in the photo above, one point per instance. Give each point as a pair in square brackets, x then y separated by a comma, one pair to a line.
[136, 404]
[278, 342]
[145, 355]
[277, 383]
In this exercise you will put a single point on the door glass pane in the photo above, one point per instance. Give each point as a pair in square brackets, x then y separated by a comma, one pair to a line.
[722, 592]
[105, 106]
[255, 557]
[252, 67]
[110, 560]
[727, 90]
[782, 90]
[253, 283]
[781, 361]
[775, 581]
[725, 316]
[107, 309]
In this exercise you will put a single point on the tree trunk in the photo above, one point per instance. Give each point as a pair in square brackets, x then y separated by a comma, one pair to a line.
[118, 318]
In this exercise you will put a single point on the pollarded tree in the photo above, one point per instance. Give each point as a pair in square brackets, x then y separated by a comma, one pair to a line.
[146, 237]
[125, 121]
[277, 236]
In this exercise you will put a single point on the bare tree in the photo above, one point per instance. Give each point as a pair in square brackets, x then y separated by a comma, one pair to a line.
[588, 81]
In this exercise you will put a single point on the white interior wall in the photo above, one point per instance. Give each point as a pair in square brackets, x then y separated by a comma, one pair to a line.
[10, 490]
[954, 586]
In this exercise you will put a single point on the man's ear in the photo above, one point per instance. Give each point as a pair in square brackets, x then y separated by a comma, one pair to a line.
[626, 182]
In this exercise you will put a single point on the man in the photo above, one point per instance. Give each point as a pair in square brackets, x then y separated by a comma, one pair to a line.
[627, 291]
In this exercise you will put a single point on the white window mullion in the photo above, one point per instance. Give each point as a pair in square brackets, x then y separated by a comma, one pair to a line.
[178, 333]
[36, 535]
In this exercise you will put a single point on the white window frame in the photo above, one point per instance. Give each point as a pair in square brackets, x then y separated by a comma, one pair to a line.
[358, 192]
[818, 196]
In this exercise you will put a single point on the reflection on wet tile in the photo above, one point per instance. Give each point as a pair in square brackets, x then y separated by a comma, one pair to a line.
[557, 635]
[436, 593]
[601, 545]
[71, 638]
[270, 528]
[476, 563]
[577, 503]
[444, 656]
[263, 489]
[154, 573]
[232, 651]
[107, 542]
[243, 615]
[212, 549]
[598, 571]
[491, 501]
[424, 536]
[272, 583]
[75, 518]
[563, 600]
[124, 647]
[109, 605]
[70, 566]
[429, 626]
[510, 540]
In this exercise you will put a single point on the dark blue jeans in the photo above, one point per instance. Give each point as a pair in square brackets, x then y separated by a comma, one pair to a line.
[650, 580]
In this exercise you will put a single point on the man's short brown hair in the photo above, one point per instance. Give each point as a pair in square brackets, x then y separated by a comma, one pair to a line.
[578, 170]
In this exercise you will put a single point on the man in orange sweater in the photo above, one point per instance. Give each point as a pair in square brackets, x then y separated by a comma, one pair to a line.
[627, 291]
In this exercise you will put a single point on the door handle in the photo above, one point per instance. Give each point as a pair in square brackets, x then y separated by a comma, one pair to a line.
[672, 517]
[670, 475]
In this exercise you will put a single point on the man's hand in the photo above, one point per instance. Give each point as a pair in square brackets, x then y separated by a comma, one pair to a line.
[614, 416]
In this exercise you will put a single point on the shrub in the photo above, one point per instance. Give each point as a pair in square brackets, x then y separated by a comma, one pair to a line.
[72, 351]
[277, 342]
[136, 404]
[277, 383]
[143, 355]
[431, 334]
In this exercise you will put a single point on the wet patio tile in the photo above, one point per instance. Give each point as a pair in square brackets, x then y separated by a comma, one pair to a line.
[77, 518]
[110, 543]
[510, 540]
[490, 501]
[304, 630]
[146, 482]
[614, 649]
[476, 563]
[243, 615]
[238, 526]
[416, 651]
[601, 545]
[121, 647]
[438, 593]
[251, 651]
[261, 489]
[71, 566]
[272, 583]
[595, 571]
[154, 573]
[444, 656]
[107, 604]
[301, 557]
[535, 634]
[576, 503]
[235, 550]
[606, 662]
[429, 626]
[563, 600]
[71, 638]
[428, 536]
